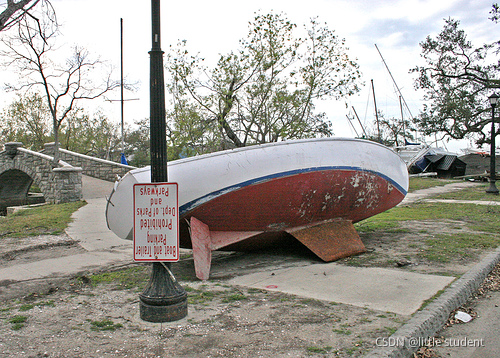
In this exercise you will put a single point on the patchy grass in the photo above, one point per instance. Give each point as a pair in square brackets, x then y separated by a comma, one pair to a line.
[444, 248]
[417, 183]
[474, 193]
[429, 300]
[233, 297]
[124, 279]
[390, 330]
[204, 294]
[42, 220]
[485, 217]
[28, 306]
[457, 236]
[17, 322]
[138, 276]
[104, 325]
[342, 331]
[199, 296]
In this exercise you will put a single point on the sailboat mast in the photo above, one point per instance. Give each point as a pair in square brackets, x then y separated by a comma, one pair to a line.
[361, 124]
[394, 81]
[376, 113]
[352, 125]
[402, 121]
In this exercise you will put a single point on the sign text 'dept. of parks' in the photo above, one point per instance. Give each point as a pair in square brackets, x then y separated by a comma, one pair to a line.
[156, 222]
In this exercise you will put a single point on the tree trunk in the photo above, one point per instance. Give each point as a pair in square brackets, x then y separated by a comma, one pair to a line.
[228, 105]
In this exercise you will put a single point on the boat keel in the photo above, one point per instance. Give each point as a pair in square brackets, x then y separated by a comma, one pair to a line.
[202, 252]
[205, 241]
[330, 240]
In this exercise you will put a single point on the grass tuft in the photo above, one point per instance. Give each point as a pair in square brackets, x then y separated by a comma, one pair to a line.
[104, 325]
[17, 322]
[43, 220]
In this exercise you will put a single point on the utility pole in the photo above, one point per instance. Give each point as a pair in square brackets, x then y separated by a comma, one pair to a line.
[123, 160]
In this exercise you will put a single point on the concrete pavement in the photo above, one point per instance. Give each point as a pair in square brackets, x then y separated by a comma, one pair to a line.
[477, 338]
[426, 323]
[436, 190]
[103, 248]
[376, 288]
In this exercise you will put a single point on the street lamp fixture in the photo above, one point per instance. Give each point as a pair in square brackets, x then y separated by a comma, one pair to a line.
[493, 99]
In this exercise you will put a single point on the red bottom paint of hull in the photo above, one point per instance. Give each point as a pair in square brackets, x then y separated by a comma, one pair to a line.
[298, 200]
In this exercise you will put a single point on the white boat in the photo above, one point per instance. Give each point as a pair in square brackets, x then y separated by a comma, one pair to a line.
[239, 194]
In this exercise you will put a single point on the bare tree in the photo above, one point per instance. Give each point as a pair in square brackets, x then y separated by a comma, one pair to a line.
[15, 11]
[31, 50]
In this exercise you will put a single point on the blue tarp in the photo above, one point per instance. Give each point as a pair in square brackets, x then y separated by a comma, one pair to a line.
[123, 159]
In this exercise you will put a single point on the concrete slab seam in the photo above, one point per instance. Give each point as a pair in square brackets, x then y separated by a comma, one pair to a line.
[431, 319]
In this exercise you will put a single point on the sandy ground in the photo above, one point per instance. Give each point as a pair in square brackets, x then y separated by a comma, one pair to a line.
[81, 317]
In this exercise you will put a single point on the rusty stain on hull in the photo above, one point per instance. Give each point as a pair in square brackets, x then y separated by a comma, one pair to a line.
[298, 200]
[330, 240]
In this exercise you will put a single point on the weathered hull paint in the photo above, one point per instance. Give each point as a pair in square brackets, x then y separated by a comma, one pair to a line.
[297, 199]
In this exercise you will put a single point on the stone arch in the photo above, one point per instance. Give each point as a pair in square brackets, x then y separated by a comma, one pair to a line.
[15, 184]
[38, 171]
[20, 167]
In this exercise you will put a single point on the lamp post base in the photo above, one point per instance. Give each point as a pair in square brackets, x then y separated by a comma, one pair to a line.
[161, 314]
[163, 299]
[492, 188]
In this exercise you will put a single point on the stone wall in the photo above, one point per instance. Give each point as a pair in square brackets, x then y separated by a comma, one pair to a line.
[20, 167]
[94, 167]
[67, 184]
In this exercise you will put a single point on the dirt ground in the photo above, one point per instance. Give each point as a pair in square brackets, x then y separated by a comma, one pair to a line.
[96, 314]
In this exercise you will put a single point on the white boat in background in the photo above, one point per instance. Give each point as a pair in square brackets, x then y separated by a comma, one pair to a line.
[422, 158]
[238, 195]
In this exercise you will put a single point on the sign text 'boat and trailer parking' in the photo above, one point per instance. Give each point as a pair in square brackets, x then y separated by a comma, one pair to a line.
[156, 222]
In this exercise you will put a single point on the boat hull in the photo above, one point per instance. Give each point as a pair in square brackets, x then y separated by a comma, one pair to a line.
[274, 187]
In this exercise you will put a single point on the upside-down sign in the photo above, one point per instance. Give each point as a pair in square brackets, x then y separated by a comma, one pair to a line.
[156, 222]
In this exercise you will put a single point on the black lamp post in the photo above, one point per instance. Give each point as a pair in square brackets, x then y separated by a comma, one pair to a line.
[492, 188]
[163, 299]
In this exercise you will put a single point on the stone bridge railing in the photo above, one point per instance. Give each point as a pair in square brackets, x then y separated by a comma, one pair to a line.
[20, 167]
[94, 167]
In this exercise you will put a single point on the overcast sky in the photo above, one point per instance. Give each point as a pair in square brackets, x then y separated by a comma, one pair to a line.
[214, 27]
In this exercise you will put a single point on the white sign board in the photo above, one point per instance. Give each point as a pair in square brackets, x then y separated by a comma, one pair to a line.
[156, 222]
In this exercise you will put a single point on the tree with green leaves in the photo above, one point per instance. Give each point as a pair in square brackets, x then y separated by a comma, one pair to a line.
[265, 91]
[137, 144]
[90, 134]
[26, 120]
[457, 79]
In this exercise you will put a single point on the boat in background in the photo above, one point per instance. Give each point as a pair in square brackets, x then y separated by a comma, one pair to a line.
[313, 189]
[422, 158]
